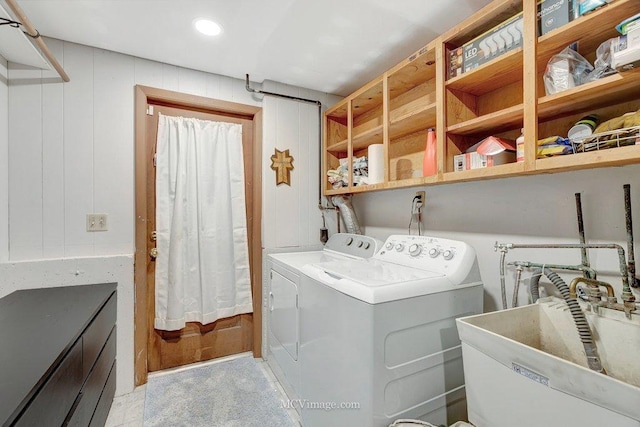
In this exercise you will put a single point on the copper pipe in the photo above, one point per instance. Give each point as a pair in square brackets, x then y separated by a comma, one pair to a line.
[35, 35]
[590, 282]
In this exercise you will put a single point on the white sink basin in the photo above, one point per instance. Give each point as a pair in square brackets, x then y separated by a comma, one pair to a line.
[527, 367]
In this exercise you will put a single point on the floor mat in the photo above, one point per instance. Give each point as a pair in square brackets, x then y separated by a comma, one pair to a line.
[234, 393]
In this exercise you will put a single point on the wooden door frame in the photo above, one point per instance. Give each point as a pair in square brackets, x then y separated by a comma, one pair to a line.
[143, 95]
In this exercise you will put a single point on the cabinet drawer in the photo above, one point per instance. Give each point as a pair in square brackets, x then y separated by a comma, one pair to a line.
[94, 385]
[97, 333]
[54, 400]
[102, 410]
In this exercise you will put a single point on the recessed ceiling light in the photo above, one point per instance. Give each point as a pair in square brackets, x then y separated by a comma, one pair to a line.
[207, 27]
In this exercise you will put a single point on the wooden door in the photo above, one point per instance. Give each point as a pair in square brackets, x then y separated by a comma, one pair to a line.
[195, 342]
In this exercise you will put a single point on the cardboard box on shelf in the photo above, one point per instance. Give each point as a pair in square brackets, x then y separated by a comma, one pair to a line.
[554, 14]
[625, 51]
[586, 6]
[455, 62]
[493, 43]
[474, 160]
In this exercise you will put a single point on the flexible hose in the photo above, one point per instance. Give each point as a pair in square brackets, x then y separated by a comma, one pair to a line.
[534, 289]
[503, 286]
[593, 360]
[516, 288]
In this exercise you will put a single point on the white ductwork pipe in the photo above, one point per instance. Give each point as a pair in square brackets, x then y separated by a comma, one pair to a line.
[343, 203]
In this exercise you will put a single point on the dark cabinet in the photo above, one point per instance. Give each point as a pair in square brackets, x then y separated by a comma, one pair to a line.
[59, 358]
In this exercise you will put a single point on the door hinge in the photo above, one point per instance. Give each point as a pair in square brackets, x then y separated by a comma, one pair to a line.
[271, 275]
[297, 306]
[155, 160]
[149, 110]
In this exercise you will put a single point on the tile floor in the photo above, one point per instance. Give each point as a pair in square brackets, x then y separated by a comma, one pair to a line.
[128, 410]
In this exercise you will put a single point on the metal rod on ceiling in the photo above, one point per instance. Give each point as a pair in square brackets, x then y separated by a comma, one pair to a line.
[311, 101]
[35, 35]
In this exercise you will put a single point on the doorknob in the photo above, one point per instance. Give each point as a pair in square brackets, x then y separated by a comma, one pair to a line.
[154, 253]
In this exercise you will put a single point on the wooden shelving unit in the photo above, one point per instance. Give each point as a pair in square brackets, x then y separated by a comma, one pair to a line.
[498, 72]
[498, 98]
[497, 121]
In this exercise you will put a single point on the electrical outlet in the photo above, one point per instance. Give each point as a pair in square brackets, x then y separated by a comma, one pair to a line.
[96, 222]
[419, 202]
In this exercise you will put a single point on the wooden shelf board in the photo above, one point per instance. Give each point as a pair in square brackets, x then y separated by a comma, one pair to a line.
[499, 171]
[499, 72]
[367, 188]
[413, 182]
[408, 123]
[404, 183]
[333, 192]
[612, 157]
[609, 90]
[338, 112]
[368, 98]
[340, 147]
[420, 70]
[590, 30]
[364, 139]
[508, 118]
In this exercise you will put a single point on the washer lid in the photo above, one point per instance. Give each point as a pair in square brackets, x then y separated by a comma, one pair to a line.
[373, 273]
[375, 281]
[296, 260]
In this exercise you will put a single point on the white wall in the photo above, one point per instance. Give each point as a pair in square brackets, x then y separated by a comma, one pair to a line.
[534, 209]
[71, 147]
[4, 162]
[71, 152]
[290, 212]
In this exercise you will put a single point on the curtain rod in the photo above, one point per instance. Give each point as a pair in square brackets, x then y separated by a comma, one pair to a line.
[34, 34]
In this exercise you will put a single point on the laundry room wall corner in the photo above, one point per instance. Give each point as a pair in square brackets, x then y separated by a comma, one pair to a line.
[291, 218]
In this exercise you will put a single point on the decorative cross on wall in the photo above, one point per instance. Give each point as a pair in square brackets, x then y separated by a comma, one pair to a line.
[282, 163]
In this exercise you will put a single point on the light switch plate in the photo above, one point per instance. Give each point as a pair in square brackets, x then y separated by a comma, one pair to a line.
[97, 222]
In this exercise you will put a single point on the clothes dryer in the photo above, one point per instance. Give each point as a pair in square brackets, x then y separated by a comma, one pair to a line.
[281, 309]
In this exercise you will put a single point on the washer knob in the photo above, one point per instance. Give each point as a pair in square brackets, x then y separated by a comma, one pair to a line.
[415, 249]
[399, 247]
[349, 241]
[367, 245]
[448, 254]
[360, 243]
[389, 246]
[434, 252]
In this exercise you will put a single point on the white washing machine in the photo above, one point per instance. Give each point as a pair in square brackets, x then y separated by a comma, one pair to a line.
[378, 336]
[281, 312]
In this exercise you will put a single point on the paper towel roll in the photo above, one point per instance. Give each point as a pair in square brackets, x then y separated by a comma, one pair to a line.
[375, 154]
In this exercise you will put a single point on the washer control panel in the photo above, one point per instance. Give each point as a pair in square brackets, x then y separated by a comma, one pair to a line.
[430, 253]
[353, 244]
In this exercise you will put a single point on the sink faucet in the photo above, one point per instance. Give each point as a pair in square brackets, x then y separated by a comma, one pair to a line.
[595, 296]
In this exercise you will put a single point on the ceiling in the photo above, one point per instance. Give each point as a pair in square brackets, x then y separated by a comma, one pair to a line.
[332, 46]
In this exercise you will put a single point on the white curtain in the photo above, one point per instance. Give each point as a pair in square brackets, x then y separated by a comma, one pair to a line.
[202, 268]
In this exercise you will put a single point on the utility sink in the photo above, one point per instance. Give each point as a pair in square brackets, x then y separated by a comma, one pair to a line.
[526, 367]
